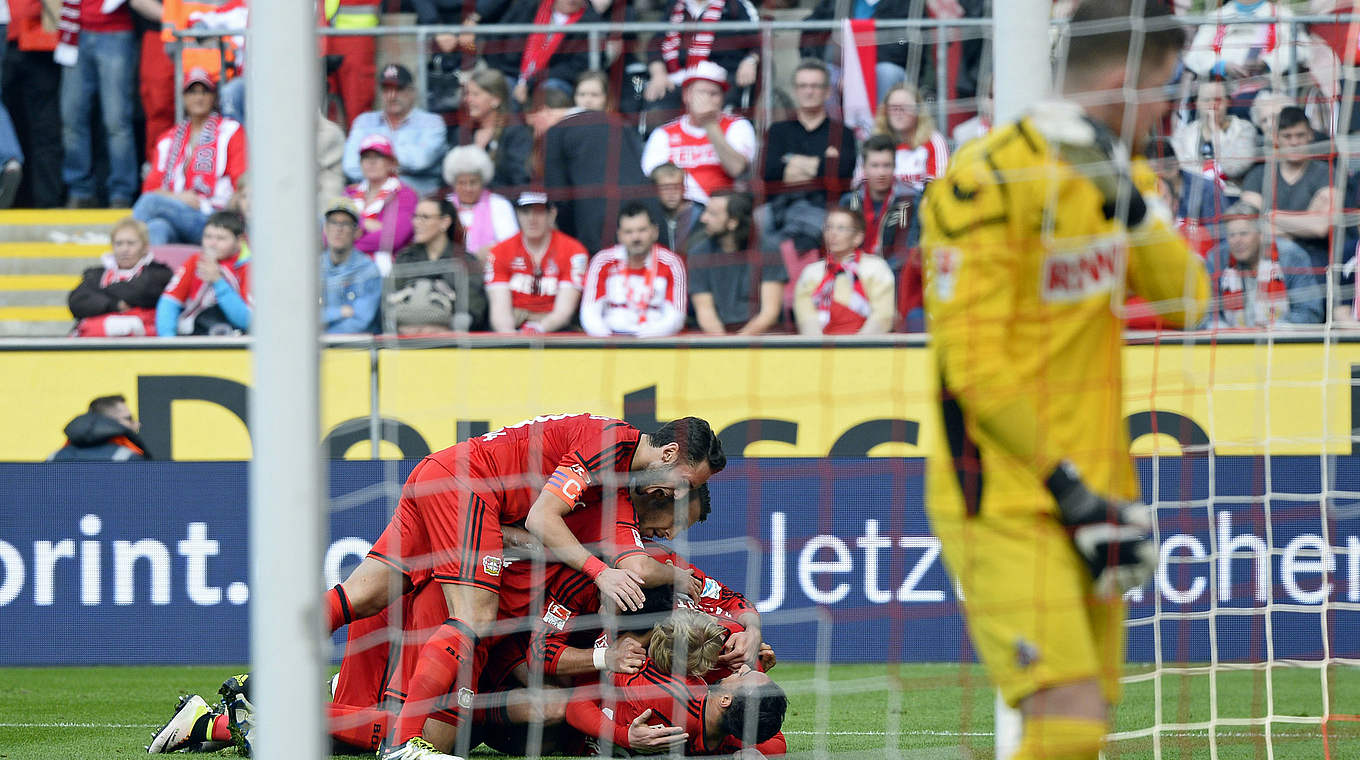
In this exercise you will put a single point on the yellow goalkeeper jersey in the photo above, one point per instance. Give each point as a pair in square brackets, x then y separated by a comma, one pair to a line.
[1025, 281]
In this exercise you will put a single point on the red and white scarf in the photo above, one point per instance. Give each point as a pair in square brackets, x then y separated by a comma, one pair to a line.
[1261, 308]
[201, 158]
[541, 47]
[824, 296]
[67, 51]
[640, 299]
[1221, 33]
[700, 44]
[204, 297]
[372, 210]
[113, 274]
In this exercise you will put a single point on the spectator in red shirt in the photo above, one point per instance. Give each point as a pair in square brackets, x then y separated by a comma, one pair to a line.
[534, 279]
[97, 46]
[921, 150]
[637, 287]
[387, 203]
[210, 294]
[712, 147]
[195, 169]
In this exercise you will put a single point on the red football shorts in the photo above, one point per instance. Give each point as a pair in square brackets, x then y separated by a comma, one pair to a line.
[443, 531]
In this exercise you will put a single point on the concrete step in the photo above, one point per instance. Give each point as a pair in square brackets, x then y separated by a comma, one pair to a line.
[50, 313]
[62, 282]
[56, 224]
[34, 249]
[41, 267]
[33, 298]
[36, 329]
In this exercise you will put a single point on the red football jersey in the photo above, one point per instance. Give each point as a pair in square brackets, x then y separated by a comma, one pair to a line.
[534, 285]
[579, 457]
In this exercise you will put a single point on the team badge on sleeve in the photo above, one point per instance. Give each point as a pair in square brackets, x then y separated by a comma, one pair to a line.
[557, 616]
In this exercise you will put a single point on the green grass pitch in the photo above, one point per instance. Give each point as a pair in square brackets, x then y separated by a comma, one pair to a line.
[926, 711]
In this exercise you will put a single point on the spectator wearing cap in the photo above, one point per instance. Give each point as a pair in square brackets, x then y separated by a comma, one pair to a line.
[809, 161]
[672, 55]
[350, 282]
[637, 287]
[196, 166]
[487, 218]
[1261, 283]
[1217, 145]
[552, 59]
[488, 125]
[592, 159]
[385, 202]
[416, 135]
[534, 279]
[436, 283]
[97, 46]
[714, 148]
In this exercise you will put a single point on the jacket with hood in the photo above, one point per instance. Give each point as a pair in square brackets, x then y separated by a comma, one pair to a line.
[93, 437]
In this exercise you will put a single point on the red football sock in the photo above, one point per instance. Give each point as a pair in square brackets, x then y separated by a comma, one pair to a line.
[220, 731]
[337, 608]
[450, 650]
[361, 727]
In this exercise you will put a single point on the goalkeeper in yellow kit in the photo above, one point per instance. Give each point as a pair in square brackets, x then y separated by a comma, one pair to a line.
[1031, 239]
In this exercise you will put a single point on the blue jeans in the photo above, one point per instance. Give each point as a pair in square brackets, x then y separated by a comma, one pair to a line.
[232, 97]
[9, 141]
[168, 220]
[888, 75]
[104, 70]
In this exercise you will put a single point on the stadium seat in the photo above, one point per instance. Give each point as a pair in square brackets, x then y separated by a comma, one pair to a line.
[794, 264]
[173, 255]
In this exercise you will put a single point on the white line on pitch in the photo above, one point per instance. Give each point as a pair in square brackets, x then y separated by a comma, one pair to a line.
[78, 725]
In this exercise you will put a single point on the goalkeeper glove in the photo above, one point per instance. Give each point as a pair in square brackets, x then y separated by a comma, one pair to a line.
[1097, 154]
[1113, 537]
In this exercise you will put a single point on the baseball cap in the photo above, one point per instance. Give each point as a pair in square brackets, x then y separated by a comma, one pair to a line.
[198, 75]
[532, 198]
[707, 71]
[377, 144]
[343, 205]
[396, 75]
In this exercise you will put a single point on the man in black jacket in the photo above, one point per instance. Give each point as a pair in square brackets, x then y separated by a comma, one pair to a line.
[106, 433]
[119, 298]
[553, 60]
[592, 165]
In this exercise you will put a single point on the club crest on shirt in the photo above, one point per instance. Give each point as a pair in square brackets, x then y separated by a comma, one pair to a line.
[945, 263]
[557, 616]
[492, 565]
[711, 589]
[637, 538]
[465, 698]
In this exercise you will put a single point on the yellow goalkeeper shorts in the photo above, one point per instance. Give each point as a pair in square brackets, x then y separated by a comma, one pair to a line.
[1029, 605]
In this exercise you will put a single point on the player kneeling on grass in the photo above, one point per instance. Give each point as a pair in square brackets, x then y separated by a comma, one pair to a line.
[1030, 239]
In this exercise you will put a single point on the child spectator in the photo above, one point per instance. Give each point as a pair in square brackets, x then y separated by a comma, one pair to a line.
[210, 294]
[119, 298]
[679, 215]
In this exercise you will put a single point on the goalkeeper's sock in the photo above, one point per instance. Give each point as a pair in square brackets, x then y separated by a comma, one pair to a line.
[1052, 738]
[338, 611]
[447, 658]
[359, 727]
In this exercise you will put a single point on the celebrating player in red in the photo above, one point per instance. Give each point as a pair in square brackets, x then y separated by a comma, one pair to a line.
[447, 528]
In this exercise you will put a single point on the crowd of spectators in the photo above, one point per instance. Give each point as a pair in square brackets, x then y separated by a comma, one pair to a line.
[531, 193]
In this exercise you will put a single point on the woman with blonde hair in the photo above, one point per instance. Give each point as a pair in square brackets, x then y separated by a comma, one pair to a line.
[487, 125]
[921, 150]
[119, 297]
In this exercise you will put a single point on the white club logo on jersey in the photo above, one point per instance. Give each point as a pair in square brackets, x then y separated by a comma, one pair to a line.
[557, 616]
[465, 698]
[492, 565]
[1077, 275]
[637, 538]
[946, 272]
[711, 589]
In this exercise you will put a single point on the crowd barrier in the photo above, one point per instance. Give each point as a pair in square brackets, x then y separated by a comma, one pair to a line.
[147, 562]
